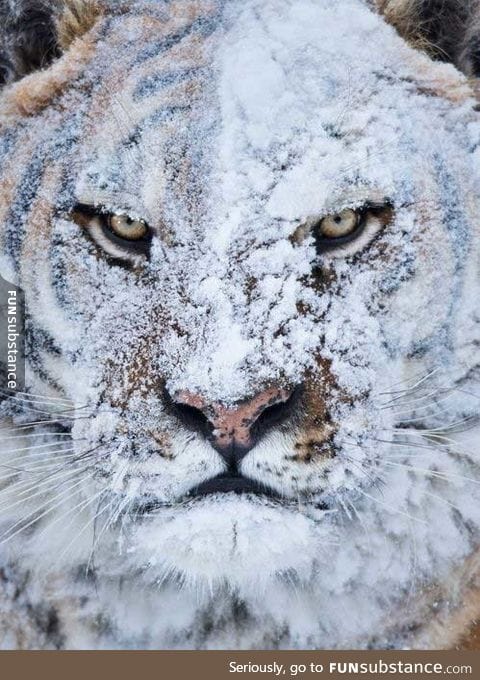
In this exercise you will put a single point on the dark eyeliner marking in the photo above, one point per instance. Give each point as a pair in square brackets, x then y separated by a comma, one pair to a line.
[134, 247]
[325, 244]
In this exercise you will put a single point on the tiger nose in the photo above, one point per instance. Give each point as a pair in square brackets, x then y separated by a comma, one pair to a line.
[234, 431]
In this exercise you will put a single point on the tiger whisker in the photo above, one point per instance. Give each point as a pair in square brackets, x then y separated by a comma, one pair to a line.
[345, 509]
[425, 446]
[398, 402]
[434, 400]
[4, 485]
[50, 447]
[43, 397]
[419, 382]
[7, 535]
[43, 457]
[31, 400]
[410, 444]
[37, 467]
[109, 521]
[40, 468]
[34, 435]
[79, 507]
[63, 412]
[440, 430]
[360, 520]
[54, 453]
[359, 466]
[391, 508]
[400, 456]
[55, 410]
[76, 459]
[436, 443]
[35, 423]
[86, 525]
[443, 500]
[435, 414]
[450, 391]
[24, 486]
[447, 476]
[22, 490]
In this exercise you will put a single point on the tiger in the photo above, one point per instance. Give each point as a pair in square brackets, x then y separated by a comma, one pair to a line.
[248, 237]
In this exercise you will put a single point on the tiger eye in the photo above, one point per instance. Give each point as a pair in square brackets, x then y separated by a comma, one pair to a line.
[339, 225]
[127, 228]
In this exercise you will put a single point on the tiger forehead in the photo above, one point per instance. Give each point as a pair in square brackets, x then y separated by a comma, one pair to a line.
[186, 130]
[141, 32]
[190, 114]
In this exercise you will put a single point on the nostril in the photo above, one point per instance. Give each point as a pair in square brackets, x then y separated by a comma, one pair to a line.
[271, 415]
[276, 413]
[192, 417]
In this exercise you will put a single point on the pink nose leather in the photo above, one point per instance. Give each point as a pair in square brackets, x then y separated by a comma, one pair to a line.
[232, 427]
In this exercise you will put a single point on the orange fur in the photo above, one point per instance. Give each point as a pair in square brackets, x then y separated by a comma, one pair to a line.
[75, 20]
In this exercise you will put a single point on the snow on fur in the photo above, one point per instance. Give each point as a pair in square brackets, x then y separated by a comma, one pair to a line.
[263, 117]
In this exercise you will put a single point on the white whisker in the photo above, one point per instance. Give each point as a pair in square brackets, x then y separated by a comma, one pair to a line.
[87, 524]
[442, 500]
[7, 536]
[413, 387]
[389, 507]
[24, 495]
[434, 473]
[35, 423]
[34, 435]
[15, 393]
[51, 446]
[84, 503]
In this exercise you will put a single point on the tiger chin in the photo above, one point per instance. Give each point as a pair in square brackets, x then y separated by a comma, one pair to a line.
[248, 238]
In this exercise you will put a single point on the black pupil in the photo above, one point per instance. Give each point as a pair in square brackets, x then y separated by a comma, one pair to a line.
[337, 219]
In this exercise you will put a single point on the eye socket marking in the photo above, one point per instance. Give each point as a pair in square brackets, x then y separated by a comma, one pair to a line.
[339, 228]
[118, 234]
[127, 238]
[348, 230]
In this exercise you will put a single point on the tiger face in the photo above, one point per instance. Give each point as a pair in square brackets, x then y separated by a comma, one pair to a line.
[247, 241]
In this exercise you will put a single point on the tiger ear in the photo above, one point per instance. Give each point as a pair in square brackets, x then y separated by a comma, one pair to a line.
[35, 32]
[75, 18]
[448, 30]
[28, 37]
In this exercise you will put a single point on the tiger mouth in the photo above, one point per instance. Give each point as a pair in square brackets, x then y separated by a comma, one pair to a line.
[222, 484]
[232, 483]
[229, 483]
[240, 485]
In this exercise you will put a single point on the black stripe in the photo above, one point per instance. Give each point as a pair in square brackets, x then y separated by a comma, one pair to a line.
[457, 230]
[404, 271]
[38, 340]
[152, 84]
[203, 26]
[58, 272]
[158, 117]
[18, 213]
[55, 149]
[8, 140]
